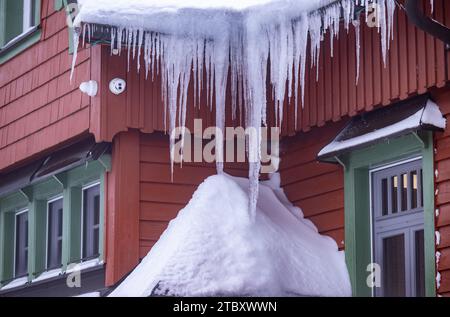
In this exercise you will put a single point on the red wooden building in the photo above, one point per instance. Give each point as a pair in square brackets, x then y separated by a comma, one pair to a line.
[99, 166]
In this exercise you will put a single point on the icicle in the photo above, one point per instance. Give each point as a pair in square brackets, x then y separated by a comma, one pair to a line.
[356, 24]
[432, 6]
[76, 42]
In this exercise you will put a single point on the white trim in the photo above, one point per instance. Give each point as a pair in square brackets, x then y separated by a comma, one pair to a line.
[88, 186]
[26, 18]
[47, 275]
[46, 225]
[395, 163]
[84, 265]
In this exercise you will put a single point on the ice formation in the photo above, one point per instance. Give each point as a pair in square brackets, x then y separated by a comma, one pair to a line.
[228, 41]
[213, 248]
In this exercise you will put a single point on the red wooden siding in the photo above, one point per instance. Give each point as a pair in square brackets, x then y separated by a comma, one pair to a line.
[442, 167]
[317, 188]
[415, 63]
[122, 206]
[160, 198]
[39, 107]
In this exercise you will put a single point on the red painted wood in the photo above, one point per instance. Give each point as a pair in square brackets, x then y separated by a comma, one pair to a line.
[123, 207]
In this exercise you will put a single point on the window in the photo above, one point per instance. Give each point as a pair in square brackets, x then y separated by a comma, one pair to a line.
[21, 244]
[54, 233]
[91, 222]
[398, 228]
[19, 19]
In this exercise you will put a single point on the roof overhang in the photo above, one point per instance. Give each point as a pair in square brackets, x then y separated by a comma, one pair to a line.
[59, 161]
[412, 115]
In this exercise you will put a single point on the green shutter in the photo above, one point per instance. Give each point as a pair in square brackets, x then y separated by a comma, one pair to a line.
[6, 249]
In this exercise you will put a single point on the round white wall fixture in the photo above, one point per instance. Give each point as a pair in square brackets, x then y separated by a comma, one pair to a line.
[117, 86]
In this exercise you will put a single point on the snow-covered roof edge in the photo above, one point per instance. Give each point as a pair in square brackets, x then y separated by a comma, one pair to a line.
[427, 118]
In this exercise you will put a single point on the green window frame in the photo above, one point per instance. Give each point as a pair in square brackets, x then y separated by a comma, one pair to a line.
[35, 198]
[358, 222]
[10, 48]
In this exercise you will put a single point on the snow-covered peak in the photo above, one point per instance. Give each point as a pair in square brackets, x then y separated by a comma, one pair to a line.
[214, 248]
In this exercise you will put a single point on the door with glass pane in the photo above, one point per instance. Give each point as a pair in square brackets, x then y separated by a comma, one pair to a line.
[398, 234]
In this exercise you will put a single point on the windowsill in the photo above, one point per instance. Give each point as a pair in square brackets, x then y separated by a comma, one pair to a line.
[47, 275]
[15, 283]
[19, 44]
[84, 265]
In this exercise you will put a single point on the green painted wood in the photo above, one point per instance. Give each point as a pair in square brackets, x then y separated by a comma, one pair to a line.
[58, 5]
[102, 216]
[6, 249]
[72, 225]
[35, 198]
[2, 22]
[37, 237]
[357, 204]
[429, 207]
[37, 12]
[21, 46]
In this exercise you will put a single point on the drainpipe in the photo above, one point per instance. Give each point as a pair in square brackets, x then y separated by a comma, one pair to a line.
[431, 26]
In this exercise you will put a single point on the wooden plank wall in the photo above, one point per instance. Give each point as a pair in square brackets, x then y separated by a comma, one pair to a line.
[39, 107]
[415, 63]
[317, 188]
[442, 199]
[160, 198]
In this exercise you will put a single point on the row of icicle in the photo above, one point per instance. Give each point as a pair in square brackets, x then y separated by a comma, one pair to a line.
[241, 58]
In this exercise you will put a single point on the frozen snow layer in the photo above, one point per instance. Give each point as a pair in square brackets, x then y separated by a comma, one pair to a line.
[228, 43]
[213, 248]
[430, 115]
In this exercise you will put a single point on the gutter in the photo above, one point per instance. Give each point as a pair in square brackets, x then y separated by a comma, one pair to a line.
[427, 24]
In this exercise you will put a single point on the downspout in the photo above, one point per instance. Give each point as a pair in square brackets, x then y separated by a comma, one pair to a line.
[427, 24]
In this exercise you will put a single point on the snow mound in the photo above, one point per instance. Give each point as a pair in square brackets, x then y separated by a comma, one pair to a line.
[213, 247]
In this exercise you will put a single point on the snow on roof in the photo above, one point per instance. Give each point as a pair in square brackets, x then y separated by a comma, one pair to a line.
[430, 115]
[213, 248]
[187, 16]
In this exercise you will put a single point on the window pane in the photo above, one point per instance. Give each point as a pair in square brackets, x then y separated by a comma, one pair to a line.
[384, 197]
[394, 190]
[13, 19]
[21, 238]
[394, 266]
[91, 220]
[420, 263]
[414, 189]
[54, 234]
[404, 192]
